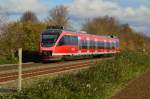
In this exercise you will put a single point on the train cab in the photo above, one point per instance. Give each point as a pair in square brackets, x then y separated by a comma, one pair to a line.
[48, 40]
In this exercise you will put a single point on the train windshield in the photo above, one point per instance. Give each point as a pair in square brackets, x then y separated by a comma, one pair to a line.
[48, 39]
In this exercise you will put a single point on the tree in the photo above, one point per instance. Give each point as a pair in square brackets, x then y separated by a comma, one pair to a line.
[25, 35]
[12, 39]
[102, 25]
[3, 19]
[21, 35]
[29, 16]
[58, 16]
[129, 39]
[126, 28]
[3, 24]
[32, 34]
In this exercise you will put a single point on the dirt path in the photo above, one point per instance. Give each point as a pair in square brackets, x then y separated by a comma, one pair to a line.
[137, 89]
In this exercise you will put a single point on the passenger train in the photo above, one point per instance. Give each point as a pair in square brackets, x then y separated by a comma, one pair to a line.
[56, 43]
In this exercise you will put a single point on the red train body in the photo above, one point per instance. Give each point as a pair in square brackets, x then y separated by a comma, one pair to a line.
[55, 44]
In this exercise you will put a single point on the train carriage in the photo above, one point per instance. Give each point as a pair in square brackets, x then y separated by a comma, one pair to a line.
[56, 43]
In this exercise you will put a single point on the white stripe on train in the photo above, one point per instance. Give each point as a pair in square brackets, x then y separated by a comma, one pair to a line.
[86, 53]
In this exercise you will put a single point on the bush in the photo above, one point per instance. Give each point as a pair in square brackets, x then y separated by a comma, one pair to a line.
[98, 82]
[7, 60]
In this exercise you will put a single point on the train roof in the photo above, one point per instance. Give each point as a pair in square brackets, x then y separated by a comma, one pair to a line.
[87, 34]
[60, 29]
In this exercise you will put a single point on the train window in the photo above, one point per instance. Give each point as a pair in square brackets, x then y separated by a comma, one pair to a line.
[68, 40]
[100, 45]
[113, 45]
[107, 45]
[61, 42]
[117, 44]
[89, 44]
[76, 40]
[92, 44]
[110, 45]
[96, 44]
[80, 44]
[48, 40]
[73, 40]
[84, 44]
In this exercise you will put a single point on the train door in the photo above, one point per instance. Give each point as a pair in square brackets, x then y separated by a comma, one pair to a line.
[96, 45]
[110, 48]
[113, 46]
[79, 45]
[105, 46]
[88, 45]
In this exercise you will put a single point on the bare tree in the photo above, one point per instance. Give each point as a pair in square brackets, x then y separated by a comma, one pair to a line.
[58, 16]
[3, 27]
[126, 28]
[29, 16]
[3, 19]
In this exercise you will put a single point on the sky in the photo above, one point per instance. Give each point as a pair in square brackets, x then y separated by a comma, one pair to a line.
[134, 12]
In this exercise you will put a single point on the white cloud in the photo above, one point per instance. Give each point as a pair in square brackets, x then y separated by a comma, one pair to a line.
[19, 6]
[88, 8]
[139, 18]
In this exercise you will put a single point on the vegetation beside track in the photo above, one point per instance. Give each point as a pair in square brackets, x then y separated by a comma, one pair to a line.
[8, 60]
[98, 82]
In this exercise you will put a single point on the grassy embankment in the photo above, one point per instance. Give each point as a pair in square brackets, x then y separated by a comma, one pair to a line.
[98, 82]
[7, 60]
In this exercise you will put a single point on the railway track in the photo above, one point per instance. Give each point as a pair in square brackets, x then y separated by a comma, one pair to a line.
[5, 68]
[10, 73]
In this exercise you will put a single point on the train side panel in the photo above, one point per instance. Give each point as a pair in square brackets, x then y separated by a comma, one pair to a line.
[72, 44]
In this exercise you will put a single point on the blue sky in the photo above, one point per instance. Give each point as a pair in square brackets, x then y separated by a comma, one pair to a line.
[134, 12]
[56, 2]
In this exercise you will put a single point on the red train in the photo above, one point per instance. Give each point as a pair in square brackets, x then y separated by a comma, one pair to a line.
[57, 43]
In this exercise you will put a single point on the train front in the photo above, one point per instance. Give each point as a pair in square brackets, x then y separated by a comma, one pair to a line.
[48, 41]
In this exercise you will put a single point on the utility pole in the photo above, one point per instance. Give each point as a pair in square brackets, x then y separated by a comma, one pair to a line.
[20, 69]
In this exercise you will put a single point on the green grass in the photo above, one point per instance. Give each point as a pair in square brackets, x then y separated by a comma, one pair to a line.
[4, 60]
[98, 82]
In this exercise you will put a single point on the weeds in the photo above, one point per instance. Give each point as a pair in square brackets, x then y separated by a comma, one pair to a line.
[98, 82]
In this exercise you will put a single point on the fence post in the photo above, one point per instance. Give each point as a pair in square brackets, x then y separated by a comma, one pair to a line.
[20, 69]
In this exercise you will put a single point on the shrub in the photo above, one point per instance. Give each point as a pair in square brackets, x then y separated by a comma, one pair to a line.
[97, 82]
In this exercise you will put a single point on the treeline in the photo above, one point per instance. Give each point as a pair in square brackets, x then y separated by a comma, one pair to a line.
[129, 39]
[25, 32]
